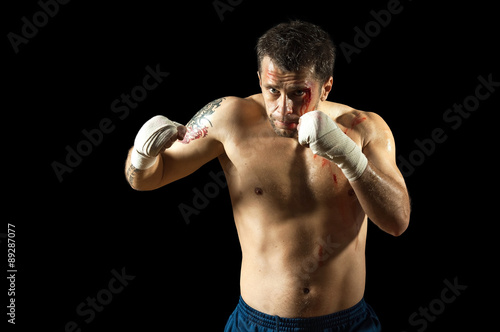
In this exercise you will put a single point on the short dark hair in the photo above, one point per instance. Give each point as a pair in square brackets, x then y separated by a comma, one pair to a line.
[298, 45]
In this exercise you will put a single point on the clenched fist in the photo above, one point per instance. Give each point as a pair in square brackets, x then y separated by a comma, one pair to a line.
[156, 135]
[320, 133]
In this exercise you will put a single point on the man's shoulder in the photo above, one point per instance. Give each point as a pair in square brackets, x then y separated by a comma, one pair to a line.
[350, 117]
[254, 102]
[226, 114]
[368, 125]
[239, 109]
[233, 103]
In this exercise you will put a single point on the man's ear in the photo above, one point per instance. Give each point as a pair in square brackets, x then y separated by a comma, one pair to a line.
[326, 89]
[260, 81]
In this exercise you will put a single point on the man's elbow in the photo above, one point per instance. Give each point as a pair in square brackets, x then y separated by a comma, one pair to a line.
[399, 224]
[139, 187]
[142, 179]
[399, 230]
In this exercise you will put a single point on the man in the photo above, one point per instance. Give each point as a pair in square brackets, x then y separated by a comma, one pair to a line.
[303, 174]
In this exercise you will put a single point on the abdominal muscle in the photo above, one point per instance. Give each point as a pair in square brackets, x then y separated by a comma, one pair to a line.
[300, 267]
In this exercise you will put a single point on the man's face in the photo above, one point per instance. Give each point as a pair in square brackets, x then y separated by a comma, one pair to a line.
[289, 95]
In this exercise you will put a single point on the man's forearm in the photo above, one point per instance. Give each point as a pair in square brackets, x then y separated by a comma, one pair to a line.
[143, 179]
[144, 165]
[385, 201]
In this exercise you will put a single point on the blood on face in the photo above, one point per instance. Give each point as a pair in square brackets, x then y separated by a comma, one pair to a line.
[306, 101]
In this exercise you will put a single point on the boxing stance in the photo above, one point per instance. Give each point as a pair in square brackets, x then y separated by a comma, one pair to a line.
[303, 173]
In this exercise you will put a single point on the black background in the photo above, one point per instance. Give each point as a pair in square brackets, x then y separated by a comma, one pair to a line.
[71, 234]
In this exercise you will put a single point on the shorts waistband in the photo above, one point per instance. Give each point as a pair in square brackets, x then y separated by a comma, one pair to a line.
[342, 317]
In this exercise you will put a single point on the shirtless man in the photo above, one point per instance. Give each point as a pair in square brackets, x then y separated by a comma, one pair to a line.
[303, 174]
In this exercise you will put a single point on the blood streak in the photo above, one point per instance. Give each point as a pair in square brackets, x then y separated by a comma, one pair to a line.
[324, 162]
[306, 101]
[355, 122]
[320, 255]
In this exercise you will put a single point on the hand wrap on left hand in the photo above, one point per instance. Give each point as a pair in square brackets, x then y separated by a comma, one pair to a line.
[326, 139]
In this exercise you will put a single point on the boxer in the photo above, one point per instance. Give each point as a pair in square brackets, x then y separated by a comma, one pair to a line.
[303, 173]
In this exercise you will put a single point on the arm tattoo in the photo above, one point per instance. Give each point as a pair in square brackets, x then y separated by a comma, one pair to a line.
[131, 172]
[197, 127]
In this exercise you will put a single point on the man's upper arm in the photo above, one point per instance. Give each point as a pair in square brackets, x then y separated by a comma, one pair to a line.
[380, 148]
[201, 143]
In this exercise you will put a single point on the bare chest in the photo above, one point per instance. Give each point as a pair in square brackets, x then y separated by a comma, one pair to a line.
[280, 173]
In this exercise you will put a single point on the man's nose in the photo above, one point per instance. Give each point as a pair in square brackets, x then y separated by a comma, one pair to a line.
[285, 105]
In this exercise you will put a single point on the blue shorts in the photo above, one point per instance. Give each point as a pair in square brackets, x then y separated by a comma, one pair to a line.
[359, 318]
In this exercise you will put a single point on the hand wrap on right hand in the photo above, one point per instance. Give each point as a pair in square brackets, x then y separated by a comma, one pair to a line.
[156, 135]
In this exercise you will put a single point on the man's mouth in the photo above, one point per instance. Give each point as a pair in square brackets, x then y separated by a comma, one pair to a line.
[290, 125]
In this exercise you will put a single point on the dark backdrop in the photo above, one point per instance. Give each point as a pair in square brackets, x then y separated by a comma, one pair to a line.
[79, 224]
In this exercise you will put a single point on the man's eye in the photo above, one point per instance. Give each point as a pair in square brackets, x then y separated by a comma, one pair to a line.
[273, 90]
[299, 93]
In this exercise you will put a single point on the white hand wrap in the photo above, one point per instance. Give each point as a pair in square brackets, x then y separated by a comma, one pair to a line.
[327, 140]
[152, 139]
